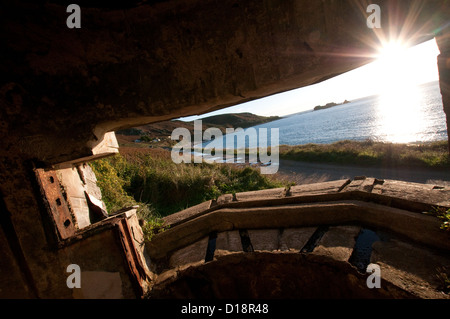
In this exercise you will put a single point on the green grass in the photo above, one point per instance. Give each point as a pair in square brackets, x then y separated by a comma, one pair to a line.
[370, 153]
[162, 187]
[443, 274]
[444, 215]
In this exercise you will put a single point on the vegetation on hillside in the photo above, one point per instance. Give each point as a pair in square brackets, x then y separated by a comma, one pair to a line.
[159, 134]
[236, 120]
[371, 153]
[328, 105]
[162, 130]
[161, 187]
[148, 178]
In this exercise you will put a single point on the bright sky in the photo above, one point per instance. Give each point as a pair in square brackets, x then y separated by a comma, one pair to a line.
[396, 68]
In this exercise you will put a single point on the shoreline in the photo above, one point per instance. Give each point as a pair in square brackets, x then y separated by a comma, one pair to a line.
[432, 155]
[313, 171]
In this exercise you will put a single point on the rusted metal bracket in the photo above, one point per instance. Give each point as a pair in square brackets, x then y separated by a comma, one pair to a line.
[66, 231]
[132, 256]
[56, 203]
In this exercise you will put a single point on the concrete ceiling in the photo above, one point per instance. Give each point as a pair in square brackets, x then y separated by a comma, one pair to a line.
[134, 63]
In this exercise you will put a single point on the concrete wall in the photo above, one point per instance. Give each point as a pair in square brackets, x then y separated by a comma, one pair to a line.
[309, 243]
[62, 91]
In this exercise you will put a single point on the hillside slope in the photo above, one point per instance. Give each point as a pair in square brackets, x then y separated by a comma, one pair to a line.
[163, 130]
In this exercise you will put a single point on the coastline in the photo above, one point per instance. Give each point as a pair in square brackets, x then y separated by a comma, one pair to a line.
[319, 163]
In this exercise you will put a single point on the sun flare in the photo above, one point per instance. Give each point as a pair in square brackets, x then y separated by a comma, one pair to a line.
[395, 68]
[400, 102]
[392, 51]
[401, 68]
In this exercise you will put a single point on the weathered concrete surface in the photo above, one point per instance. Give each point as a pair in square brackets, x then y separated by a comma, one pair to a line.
[229, 241]
[98, 254]
[286, 276]
[263, 239]
[338, 242]
[318, 188]
[294, 239]
[392, 205]
[427, 193]
[15, 284]
[412, 267]
[415, 226]
[407, 270]
[192, 253]
[63, 91]
[271, 226]
[191, 211]
[267, 193]
[99, 285]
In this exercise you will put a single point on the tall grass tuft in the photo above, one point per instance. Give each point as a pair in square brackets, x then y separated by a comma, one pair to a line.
[371, 153]
[162, 187]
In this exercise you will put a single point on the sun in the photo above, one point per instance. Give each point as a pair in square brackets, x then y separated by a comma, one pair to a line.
[395, 68]
[400, 103]
[400, 67]
[391, 53]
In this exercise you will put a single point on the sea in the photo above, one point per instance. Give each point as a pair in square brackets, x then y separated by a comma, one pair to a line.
[415, 115]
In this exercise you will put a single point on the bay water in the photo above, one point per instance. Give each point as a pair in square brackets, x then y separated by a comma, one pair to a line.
[412, 116]
[415, 116]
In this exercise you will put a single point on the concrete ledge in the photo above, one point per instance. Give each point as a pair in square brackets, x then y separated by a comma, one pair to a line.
[418, 227]
[413, 197]
[318, 188]
[425, 193]
[261, 195]
[187, 213]
[319, 223]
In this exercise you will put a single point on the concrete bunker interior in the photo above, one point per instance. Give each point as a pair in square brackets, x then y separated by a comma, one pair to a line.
[64, 92]
[319, 227]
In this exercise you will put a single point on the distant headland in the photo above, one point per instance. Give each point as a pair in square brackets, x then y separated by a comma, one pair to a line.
[328, 105]
[158, 134]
